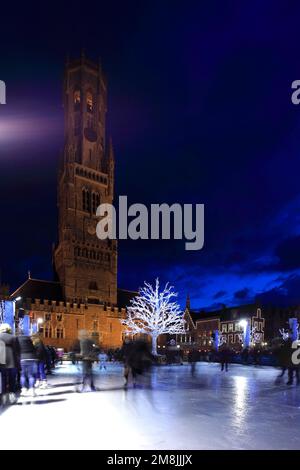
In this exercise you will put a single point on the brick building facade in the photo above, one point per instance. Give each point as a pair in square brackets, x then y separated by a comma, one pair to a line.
[85, 295]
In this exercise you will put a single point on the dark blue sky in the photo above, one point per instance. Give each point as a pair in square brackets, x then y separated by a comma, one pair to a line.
[199, 111]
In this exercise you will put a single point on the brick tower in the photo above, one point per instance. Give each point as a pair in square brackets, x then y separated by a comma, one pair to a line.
[85, 265]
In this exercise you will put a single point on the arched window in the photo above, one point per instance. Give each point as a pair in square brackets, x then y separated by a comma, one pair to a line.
[77, 99]
[89, 102]
[86, 200]
[93, 285]
[95, 202]
[77, 124]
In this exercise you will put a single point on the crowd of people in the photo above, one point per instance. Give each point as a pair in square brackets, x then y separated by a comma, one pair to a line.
[25, 361]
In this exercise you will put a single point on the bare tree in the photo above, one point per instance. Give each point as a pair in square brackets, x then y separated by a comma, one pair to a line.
[154, 313]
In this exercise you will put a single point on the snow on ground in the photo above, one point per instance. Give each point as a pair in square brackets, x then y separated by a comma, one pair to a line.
[240, 409]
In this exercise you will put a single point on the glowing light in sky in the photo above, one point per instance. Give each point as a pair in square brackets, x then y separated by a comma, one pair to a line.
[21, 129]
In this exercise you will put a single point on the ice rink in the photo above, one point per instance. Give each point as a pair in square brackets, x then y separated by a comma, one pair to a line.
[240, 409]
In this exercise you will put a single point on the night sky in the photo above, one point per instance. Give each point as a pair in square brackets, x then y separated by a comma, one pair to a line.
[199, 111]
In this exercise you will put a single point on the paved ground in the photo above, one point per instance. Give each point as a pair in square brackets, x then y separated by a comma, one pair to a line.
[240, 409]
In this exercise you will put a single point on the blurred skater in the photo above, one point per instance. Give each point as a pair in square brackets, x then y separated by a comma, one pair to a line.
[283, 354]
[224, 353]
[88, 352]
[137, 359]
[28, 365]
[102, 357]
[41, 354]
[9, 364]
[192, 358]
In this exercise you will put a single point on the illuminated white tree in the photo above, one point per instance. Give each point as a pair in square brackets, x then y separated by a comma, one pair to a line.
[153, 313]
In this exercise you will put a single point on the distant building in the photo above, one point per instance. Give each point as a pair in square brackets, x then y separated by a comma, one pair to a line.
[201, 326]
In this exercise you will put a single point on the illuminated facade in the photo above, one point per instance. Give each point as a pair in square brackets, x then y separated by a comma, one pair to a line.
[200, 327]
[85, 295]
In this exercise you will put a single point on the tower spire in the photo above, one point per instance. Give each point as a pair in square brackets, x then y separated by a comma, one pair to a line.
[188, 302]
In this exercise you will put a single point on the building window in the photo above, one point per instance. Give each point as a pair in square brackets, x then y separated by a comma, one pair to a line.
[230, 327]
[48, 332]
[59, 333]
[89, 102]
[77, 99]
[86, 200]
[93, 285]
[77, 124]
[48, 316]
[224, 328]
[59, 317]
[95, 325]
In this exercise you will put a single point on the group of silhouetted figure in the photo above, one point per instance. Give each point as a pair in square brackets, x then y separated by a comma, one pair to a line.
[25, 361]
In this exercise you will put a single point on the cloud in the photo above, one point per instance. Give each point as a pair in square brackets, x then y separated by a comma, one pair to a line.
[288, 253]
[219, 294]
[242, 294]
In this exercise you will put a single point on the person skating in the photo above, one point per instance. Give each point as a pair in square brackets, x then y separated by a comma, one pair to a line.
[224, 357]
[88, 352]
[28, 365]
[41, 354]
[283, 355]
[102, 357]
[192, 358]
[10, 364]
[137, 359]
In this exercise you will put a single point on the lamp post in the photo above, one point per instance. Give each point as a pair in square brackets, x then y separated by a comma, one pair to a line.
[216, 340]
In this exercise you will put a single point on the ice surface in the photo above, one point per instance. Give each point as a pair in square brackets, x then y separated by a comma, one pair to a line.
[240, 409]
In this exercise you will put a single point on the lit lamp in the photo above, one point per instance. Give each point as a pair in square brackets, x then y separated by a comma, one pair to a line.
[39, 321]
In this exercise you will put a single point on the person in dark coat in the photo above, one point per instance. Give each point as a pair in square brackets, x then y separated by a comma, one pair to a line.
[193, 358]
[41, 354]
[137, 359]
[283, 355]
[88, 352]
[10, 363]
[28, 365]
[224, 353]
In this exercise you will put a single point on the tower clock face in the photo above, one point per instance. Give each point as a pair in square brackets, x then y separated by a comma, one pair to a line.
[90, 134]
[91, 229]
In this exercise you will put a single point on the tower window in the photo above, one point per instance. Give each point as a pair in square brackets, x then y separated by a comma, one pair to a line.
[86, 200]
[90, 122]
[93, 285]
[95, 202]
[89, 102]
[77, 99]
[77, 124]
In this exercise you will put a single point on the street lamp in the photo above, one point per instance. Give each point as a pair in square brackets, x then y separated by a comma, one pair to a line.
[243, 324]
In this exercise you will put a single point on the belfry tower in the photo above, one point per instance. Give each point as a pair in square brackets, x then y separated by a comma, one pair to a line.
[85, 265]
